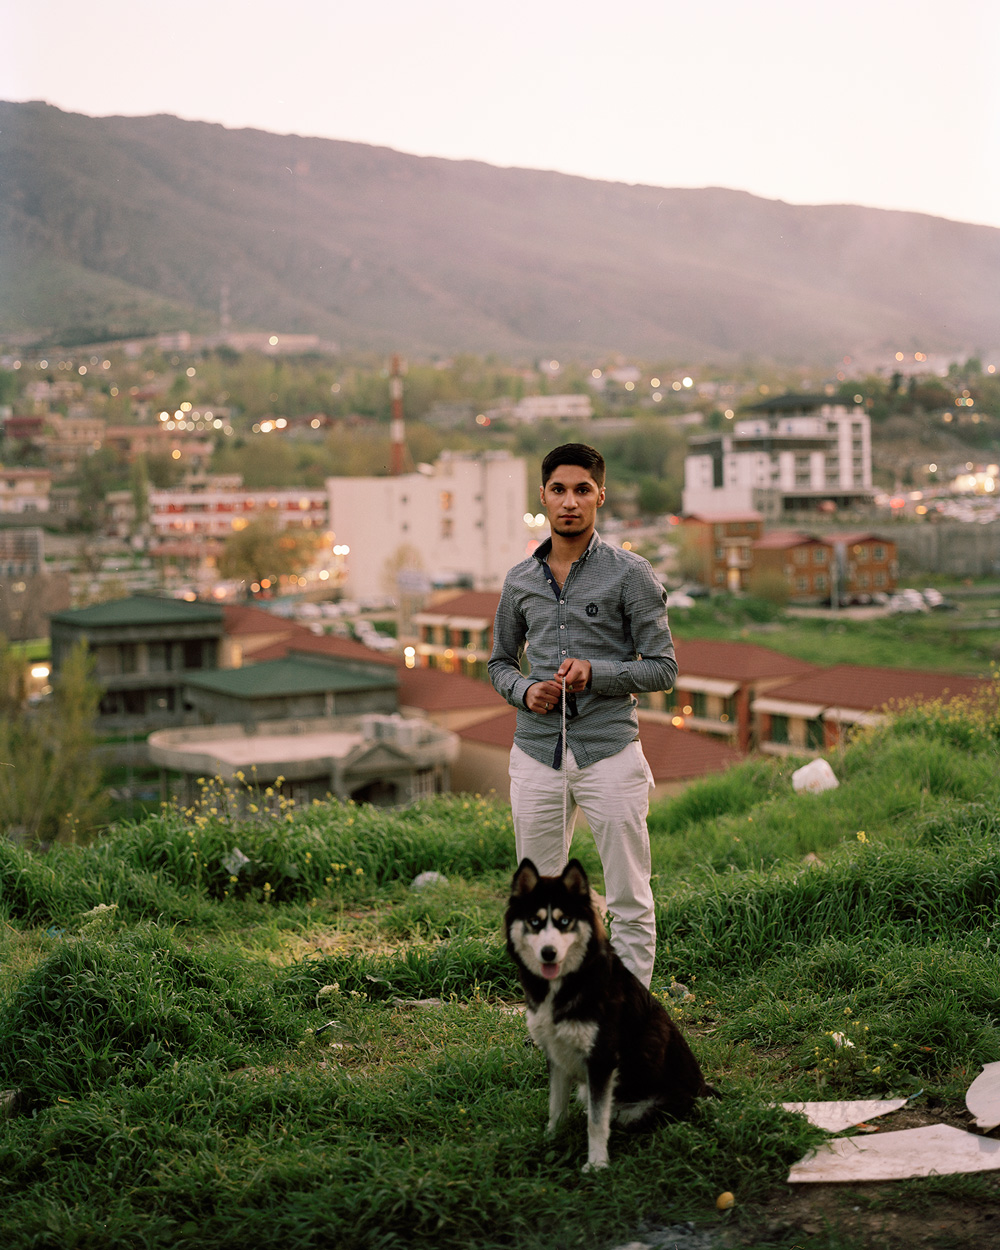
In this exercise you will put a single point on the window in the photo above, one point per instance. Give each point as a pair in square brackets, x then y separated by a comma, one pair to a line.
[699, 703]
[819, 555]
[193, 657]
[779, 728]
[814, 735]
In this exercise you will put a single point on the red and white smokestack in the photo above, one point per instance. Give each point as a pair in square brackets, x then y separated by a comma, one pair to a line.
[398, 444]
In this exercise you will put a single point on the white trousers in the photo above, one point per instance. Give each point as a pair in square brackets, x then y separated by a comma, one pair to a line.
[614, 796]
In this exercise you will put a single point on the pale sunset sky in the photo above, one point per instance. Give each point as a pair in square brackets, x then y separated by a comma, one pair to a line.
[884, 103]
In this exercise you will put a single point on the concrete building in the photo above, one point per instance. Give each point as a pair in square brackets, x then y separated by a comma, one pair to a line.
[385, 760]
[144, 647]
[24, 490]
[787, 456]
[458, 522]
[297, 685]
[213, 507]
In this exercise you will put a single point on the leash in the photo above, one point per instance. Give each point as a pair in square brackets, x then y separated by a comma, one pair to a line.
[565, 769]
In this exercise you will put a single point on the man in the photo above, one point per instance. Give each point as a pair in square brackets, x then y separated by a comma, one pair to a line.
[592, 617]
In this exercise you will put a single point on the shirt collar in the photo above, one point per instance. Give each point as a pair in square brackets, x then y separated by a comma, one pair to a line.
[544, 549]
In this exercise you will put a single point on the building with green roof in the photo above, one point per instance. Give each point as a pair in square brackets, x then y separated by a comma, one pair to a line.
[143, 648]
[297, 685]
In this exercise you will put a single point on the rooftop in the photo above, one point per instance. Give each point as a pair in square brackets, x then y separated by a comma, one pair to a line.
[742, 661]
[864, 688]
[140, 610]
[293, 675]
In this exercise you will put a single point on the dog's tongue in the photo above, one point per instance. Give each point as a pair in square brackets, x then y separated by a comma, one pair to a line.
[550, 971]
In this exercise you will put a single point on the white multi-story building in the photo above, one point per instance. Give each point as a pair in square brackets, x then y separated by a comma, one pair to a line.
[795, 453]
[215, 507]
[460, 521]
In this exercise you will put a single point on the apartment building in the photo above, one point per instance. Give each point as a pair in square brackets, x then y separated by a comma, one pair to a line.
[458, 522]
[24, 490]
[787, 456]
[213, 507]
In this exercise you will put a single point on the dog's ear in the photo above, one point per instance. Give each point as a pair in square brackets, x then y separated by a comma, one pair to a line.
[525, 879]
[575, 878]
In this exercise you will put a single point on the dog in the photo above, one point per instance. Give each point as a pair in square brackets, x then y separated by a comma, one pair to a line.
[600, 1028]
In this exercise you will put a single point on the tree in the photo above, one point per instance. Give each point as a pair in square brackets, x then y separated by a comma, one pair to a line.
[51, 785]
[261, 551]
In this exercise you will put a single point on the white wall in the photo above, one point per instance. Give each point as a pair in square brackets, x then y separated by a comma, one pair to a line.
[463, 517]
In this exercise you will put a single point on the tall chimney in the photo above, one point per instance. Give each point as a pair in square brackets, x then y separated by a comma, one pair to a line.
[398, 445]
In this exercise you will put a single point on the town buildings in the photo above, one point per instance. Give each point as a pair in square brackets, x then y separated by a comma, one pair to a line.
[789, 455]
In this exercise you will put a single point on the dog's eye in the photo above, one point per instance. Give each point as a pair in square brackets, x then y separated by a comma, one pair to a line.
[535, 923]
[564, 922]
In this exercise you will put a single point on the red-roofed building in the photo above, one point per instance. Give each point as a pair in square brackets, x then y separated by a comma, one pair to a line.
[451, 700]
[810, 714]
[717, 681]
[833, 568]
[721, 543]
[800, 563]
[456, 634]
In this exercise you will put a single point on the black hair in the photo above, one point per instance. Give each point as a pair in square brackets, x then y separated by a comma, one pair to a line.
[580, 454]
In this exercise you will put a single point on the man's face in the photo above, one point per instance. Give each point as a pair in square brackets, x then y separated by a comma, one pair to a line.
[571, 498]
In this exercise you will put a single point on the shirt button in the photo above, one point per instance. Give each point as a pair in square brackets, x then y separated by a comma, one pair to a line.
[562, 626]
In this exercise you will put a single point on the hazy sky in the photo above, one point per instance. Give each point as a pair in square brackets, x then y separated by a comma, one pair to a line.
[889, 103]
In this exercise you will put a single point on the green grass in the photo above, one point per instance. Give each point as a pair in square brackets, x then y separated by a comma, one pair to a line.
[298, 1050]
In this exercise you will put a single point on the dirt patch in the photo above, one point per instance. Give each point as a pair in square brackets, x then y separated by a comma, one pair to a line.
[886, 1216]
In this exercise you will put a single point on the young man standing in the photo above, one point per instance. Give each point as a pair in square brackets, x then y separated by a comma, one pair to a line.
[594, 617]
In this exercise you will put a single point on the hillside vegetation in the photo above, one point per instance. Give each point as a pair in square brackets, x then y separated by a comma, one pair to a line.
[291, 1047]
[118, 225]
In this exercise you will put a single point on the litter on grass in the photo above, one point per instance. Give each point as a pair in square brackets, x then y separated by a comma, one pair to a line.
[814, 777]
[983, 1097]
[934, 1150]
[836, 1116]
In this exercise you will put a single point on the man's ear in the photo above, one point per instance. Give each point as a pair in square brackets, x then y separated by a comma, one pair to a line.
[600, 498]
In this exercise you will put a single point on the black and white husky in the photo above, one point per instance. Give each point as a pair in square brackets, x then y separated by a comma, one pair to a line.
[600, 1028]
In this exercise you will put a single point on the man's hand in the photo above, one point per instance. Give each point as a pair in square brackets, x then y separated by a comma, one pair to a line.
[545, 696]
[575, 673]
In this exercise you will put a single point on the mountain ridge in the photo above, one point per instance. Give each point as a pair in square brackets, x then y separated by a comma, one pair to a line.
[383, 250]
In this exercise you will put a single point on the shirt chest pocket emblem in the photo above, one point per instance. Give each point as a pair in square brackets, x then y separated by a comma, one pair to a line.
[591, 609]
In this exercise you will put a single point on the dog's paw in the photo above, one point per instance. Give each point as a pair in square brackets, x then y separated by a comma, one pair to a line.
[593, 1165]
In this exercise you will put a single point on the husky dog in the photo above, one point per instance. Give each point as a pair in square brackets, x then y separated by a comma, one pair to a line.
[600, 1028]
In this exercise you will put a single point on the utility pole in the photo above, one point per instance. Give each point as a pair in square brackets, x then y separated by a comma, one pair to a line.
[397, 463]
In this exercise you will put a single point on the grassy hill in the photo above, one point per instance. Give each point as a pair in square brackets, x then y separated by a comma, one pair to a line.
[302, 1051]
[378, 249]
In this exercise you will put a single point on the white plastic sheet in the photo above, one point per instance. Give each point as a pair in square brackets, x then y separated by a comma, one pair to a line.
[934, 1150]
[983, 1097]
[836, 1116]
